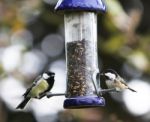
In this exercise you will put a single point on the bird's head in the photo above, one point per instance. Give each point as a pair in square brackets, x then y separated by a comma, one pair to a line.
[46, 75]
[109, 74]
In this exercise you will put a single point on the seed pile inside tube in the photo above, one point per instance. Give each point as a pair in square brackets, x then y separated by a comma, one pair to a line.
[79, 65]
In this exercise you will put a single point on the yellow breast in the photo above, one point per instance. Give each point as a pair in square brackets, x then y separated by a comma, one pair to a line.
[38, 89]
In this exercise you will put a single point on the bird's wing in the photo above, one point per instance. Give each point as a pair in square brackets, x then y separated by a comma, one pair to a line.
[123, 81]
[33, 84]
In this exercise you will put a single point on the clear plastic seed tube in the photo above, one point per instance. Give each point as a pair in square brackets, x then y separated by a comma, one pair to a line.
[81, 53]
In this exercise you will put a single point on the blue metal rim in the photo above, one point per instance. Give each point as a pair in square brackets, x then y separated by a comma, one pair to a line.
[84, 102]
[86, 5]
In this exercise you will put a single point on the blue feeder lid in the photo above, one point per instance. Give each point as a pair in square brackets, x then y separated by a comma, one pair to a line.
[84, 102]
[86, 5]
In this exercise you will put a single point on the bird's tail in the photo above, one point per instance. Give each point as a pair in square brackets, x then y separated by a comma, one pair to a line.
[23, 103]
[131, 89]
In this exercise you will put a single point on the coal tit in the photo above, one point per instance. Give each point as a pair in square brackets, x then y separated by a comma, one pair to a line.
[112, 80]
[39, 88]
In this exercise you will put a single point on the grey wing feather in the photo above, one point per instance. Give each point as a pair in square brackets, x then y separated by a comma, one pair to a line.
[29, 89]
[123, 81]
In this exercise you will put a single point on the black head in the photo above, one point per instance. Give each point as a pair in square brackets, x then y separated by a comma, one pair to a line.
[47, 75]
[109, 74]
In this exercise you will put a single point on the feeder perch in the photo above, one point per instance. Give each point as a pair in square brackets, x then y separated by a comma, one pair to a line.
[80, 20]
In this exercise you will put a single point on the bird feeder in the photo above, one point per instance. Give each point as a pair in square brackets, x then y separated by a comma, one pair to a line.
[80, 19]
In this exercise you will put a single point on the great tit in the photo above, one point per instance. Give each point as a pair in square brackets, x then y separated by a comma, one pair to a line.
[112, 80]
[39, 88]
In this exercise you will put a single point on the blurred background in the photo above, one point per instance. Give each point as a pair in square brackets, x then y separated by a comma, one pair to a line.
[32, 41]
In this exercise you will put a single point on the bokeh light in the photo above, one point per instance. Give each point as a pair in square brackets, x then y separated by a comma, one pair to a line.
[9, 93]
[138, 103]
[138, 60]
[53, 45]
[29, 11]
[33, 63]
[12, 57]
[130, 71]
[59, 67]
[23, 37]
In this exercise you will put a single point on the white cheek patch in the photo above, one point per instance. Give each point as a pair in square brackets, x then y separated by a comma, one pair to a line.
[45, 76]
[111, 76]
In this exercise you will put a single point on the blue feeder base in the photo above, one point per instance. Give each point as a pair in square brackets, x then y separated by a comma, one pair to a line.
[84, 102]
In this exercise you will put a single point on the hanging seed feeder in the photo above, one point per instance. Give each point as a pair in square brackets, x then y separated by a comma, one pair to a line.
[80, 19]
